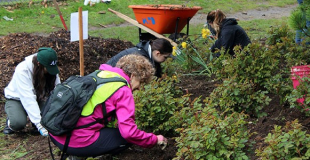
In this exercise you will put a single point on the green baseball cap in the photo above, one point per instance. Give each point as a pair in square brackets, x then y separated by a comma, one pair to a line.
[48, 58]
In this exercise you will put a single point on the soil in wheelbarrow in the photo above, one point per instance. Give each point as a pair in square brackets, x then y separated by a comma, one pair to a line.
[31, 145]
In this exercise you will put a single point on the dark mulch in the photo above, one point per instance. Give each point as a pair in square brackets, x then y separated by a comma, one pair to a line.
[15, 47]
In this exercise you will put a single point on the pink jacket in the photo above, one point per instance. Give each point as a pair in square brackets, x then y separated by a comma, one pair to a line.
[122, 102]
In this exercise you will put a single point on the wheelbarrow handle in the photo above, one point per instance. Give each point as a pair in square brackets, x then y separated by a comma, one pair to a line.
[134, 22]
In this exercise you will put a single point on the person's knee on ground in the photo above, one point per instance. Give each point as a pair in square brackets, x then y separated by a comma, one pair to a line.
[17, 125]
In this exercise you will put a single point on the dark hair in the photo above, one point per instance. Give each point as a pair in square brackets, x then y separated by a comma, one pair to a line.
[216, 17]
[43, 83]
[162, 45]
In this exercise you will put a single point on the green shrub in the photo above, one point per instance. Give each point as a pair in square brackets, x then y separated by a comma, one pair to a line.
[290, 55]
[296, 55]
[248, 78]
[289, 142]
[239, 96]
[277, 33]
[255, 64]
[157, 102]
[212, 135]
[181, 118]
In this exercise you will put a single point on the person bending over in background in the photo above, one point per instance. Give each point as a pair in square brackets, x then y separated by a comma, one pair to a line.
[156, 51]
[33, 80]
[299, 33]
[228, 33]
[97, 139]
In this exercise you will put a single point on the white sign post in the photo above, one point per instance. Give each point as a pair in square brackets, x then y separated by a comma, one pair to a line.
[74, 26]
[79, 31]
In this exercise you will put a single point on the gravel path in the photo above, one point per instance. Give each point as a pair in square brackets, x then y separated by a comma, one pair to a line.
[270, 13]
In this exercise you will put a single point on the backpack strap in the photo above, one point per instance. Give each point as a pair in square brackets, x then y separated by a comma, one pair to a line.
[106, 80]
[50, 147]
[106, 116]
[106, 87]
[113, 79]
[64, 150]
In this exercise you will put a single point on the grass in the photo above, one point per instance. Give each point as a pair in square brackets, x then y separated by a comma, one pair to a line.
[255, 28]
[258, 28]
[36, 18]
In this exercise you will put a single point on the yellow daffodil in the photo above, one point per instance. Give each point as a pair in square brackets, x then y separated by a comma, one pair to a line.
[204, 36]
[174, 53]
[184, 45]
[42, 12]
[205, 33]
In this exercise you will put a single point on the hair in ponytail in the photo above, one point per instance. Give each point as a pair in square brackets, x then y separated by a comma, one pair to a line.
[216, 17]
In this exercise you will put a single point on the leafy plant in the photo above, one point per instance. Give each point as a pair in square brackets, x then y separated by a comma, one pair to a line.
[254, 63]
[156, 103]
[212, 135]
[239, 96]
[300, 97]
[289, 142]
[294, 55]
[277, 33]
[182, 117]
[248, 78]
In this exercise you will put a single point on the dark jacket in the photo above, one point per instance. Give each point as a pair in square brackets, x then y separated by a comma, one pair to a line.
[142, 49]
[231, 34]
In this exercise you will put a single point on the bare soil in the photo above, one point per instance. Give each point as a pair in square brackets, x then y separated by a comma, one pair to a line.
[15, 47]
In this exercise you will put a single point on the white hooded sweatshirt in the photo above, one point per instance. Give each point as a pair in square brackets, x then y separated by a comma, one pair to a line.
[21, 88]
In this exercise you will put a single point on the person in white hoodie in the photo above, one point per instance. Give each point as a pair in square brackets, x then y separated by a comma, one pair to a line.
[33, 80]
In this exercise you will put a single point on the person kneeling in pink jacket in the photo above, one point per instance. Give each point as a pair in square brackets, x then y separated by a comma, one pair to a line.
[98, 139]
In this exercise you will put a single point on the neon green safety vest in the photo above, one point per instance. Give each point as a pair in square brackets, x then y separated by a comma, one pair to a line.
[103, 92]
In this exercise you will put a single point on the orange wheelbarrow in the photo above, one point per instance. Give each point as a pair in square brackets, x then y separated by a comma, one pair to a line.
[164, 19]
[160, 19]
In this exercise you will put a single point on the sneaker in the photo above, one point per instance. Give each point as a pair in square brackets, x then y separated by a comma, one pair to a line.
[7, 129]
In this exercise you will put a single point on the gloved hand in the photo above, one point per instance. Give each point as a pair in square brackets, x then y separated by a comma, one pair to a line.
[162, 141]
[41, 129]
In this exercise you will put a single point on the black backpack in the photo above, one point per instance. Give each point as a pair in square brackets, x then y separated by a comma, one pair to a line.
[63, 108]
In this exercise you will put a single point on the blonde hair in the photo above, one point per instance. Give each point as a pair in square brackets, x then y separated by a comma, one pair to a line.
[138, 66]
[216, 17]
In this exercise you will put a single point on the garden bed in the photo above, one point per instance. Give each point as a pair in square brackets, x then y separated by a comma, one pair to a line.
[97, 51]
